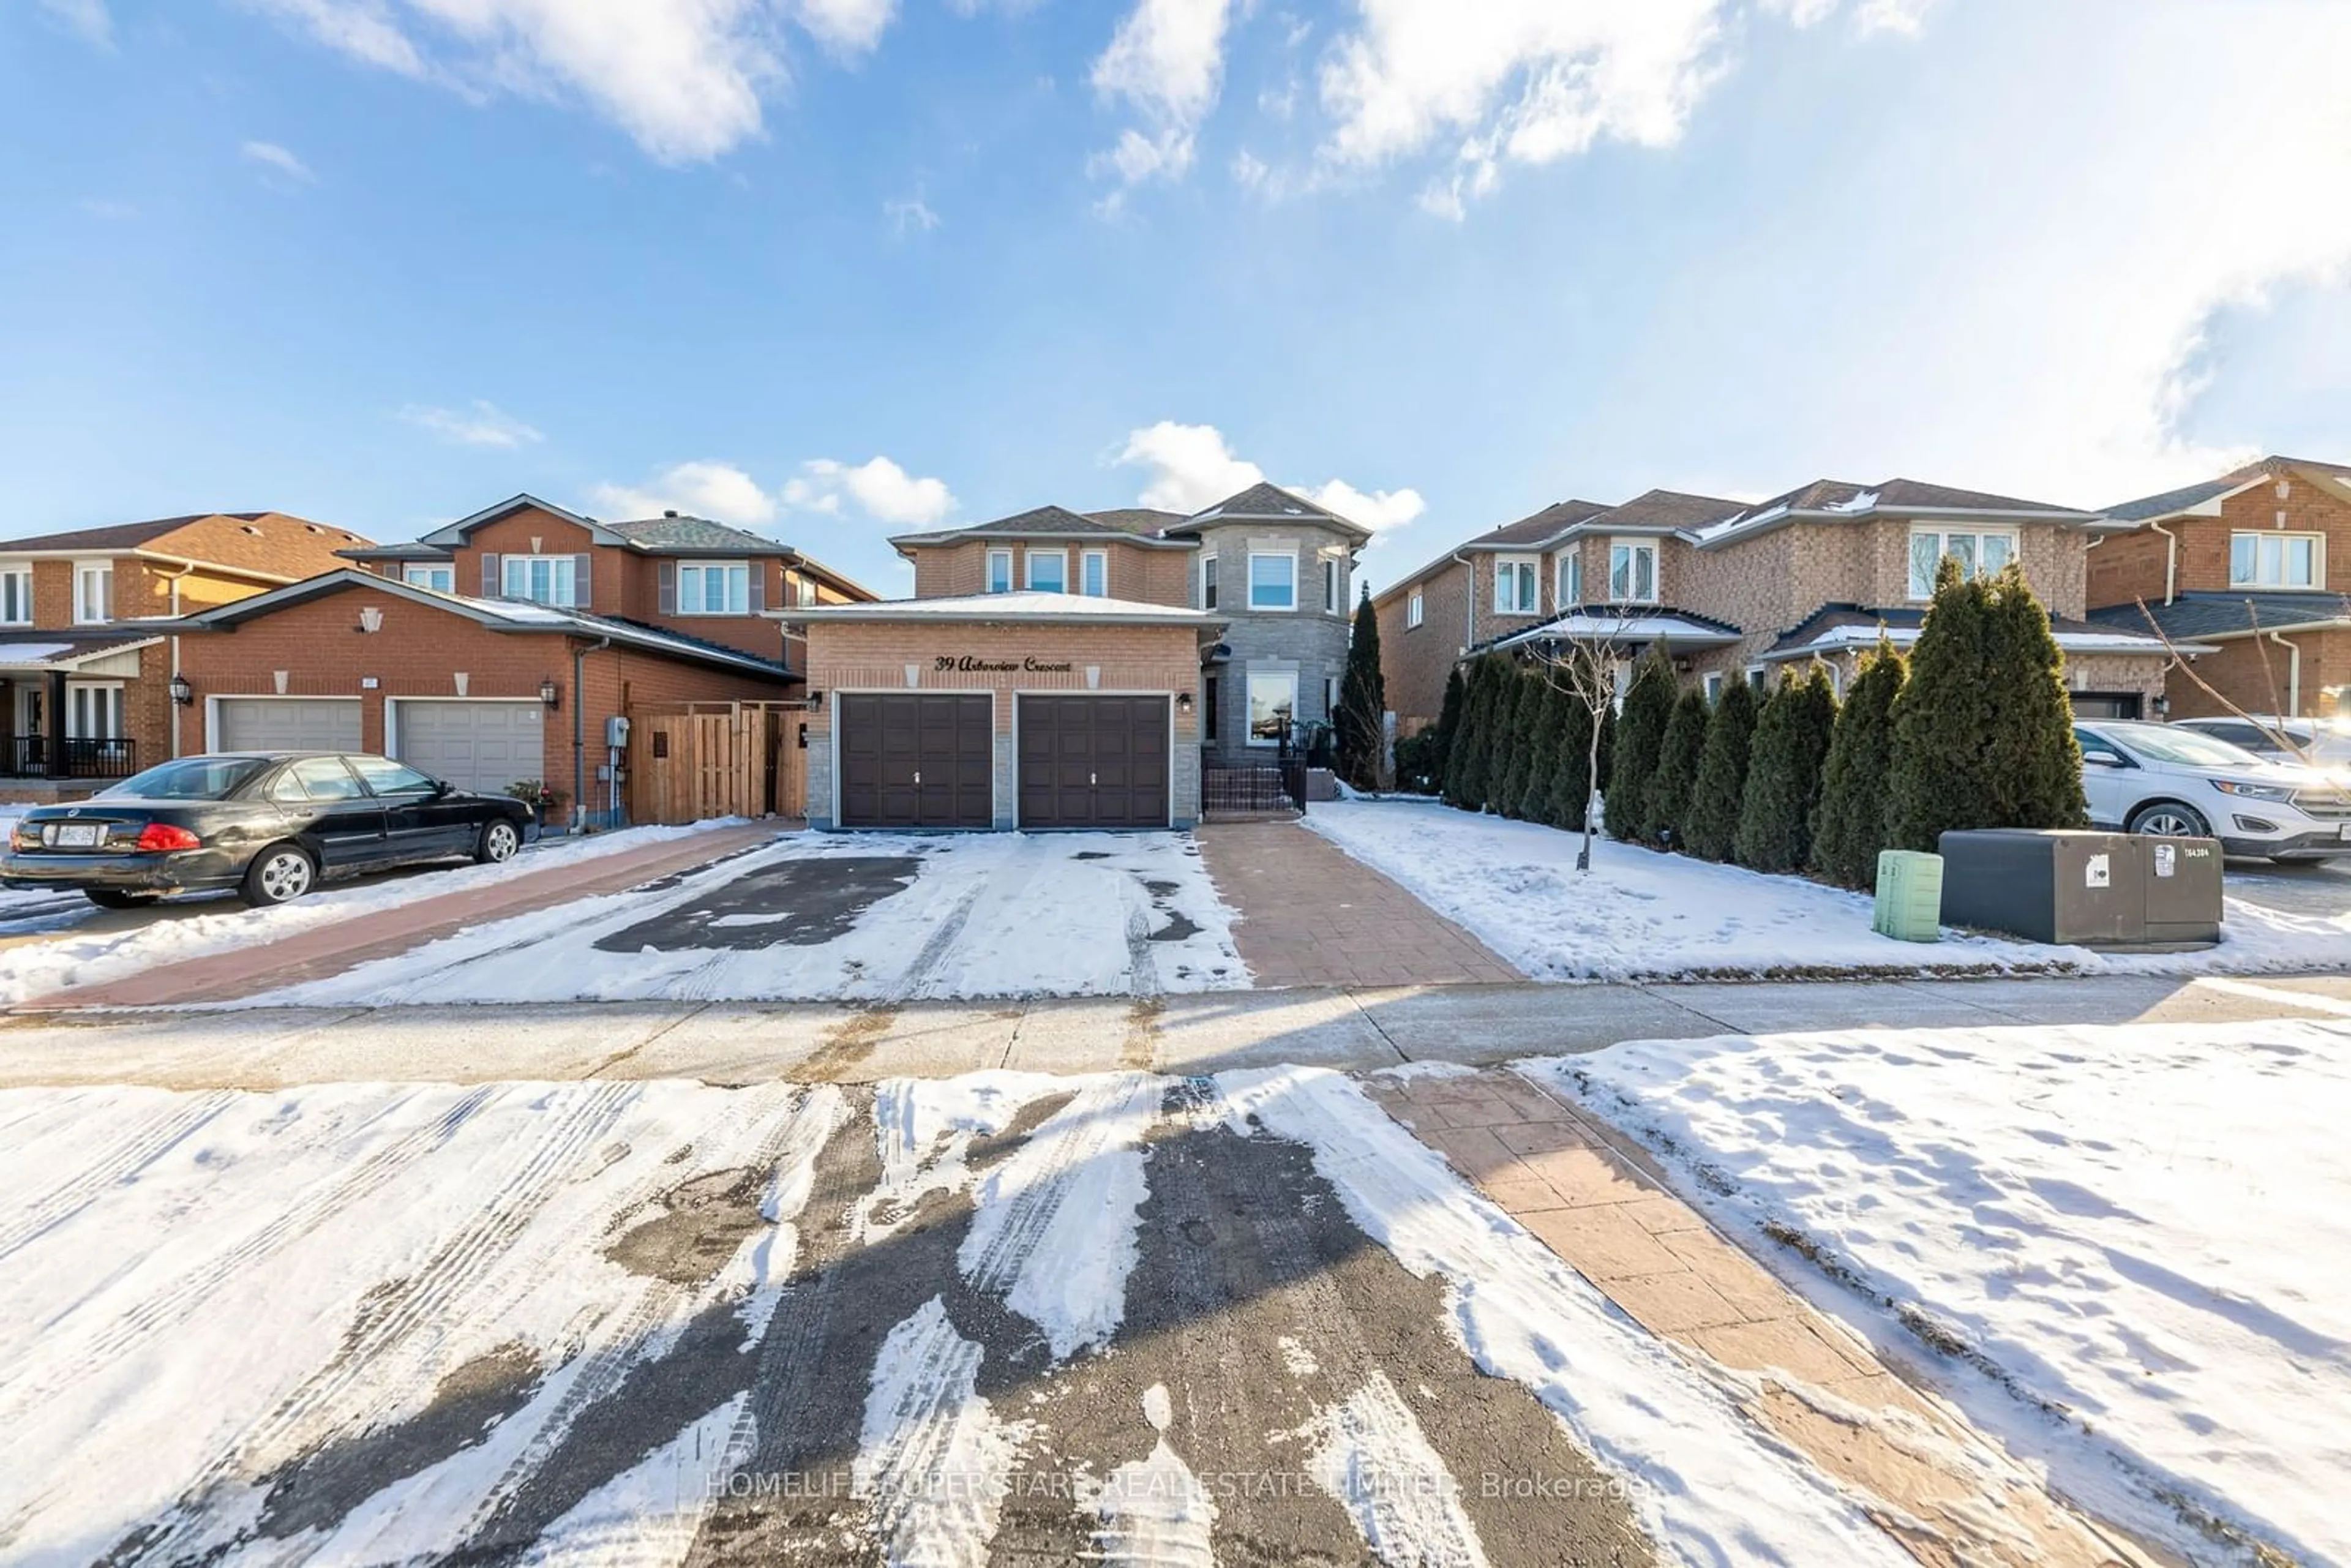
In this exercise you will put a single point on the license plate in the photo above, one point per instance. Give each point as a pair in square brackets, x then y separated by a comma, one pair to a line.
[80, 836]
[2344, 832]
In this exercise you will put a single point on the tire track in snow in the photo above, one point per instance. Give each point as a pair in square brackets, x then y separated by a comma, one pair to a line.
[1155, 1512]
[178, 1297]
[1053, 1232]
[1371, 1454]
[132, 1152]
[931, 1454]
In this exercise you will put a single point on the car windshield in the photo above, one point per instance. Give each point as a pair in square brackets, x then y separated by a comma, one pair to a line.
[190, 779]
[2163, 743]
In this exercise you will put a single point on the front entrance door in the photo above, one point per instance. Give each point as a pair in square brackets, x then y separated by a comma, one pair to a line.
[917, 760]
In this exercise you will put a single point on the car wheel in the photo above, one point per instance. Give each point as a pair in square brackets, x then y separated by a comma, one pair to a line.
[278, 875]
[499, 842]
[115, 898]
[2170, 820]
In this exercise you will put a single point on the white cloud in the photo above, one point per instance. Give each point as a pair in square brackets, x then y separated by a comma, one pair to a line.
[479, 424]
[850, 26]
[684, 78]
[1166, 61]
[1192, 465]
[87, 18]
[719, 491]
[279, 159]
[878, 487]
[910, 215]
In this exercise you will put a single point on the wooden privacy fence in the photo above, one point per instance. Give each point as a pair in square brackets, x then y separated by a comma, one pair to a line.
[717, 759]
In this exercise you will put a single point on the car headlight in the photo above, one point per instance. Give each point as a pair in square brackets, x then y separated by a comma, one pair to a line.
[2245, 791]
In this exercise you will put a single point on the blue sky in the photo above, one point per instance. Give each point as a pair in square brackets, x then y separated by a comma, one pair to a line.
[839, 268]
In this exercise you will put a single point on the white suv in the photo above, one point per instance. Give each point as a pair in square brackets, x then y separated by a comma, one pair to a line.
[2163, 779]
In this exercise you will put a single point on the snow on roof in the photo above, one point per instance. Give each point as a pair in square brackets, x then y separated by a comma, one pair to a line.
[1860, 503]
[1836, 639]
[1577, 627]
[1025, 605]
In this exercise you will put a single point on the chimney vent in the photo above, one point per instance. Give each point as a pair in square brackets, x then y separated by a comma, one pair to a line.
[670, 512]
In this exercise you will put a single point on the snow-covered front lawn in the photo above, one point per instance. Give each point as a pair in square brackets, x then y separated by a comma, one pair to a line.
[2126, 1249]
[865, 916]
[1643, 914]
[172, 932]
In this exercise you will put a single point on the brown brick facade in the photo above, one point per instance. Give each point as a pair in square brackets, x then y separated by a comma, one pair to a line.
[1139, 572]
[2131, 566]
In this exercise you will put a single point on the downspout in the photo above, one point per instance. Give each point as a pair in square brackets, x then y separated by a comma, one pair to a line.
[2293, 674]
[1468, 603]
[579, 651]
[2170, 561]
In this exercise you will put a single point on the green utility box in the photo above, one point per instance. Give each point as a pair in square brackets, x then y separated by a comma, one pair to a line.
[1910, 896]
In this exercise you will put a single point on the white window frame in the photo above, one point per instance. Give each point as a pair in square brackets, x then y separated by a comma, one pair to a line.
[421, 573]
[1290, 559]
[561, 569]
[105, 697]
[1568, 584]
[1087, 562]
[1208, 581]
[1060, 558]
[1943, 536]
[1523, 575]
[1712, 685]
[12, 574]
[1330, 699]
[84, 573]
[2260, 536]
[1287, 678]
[994, 557]
[1414, 611]
[699, 598]
[1634, 549]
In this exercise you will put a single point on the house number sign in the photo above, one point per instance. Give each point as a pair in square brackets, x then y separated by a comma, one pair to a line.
[972, 664]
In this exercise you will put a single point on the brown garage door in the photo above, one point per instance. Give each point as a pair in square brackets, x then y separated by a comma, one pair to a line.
[917, 761]
[1093, 762]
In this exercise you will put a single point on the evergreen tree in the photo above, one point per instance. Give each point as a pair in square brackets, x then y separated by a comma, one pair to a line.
[1509, 777]
[1943, 773]
[1570, 781]
[1548, 706]
[1721, 792]
[1448, 724]
[1361, 721]
[1783, 772]
[1466, 775]
[1850, 828]
[1677, 758]
[1647, 708]
[2036, 763]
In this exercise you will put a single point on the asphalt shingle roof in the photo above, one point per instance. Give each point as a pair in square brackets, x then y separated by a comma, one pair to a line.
[1263, 500]
[1144, 520]
[1537, 526]
[2194, 615]
[122, 536]
[1044, 521]
[1668, 509]
[689, 533]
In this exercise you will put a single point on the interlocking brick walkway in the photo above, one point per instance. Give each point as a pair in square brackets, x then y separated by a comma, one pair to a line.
[1311, 915]
[324, 950]
[1586, 1191]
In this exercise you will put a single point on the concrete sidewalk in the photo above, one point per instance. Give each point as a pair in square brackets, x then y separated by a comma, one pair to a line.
[734, 1043]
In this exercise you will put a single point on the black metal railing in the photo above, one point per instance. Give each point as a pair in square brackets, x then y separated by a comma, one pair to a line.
[1278, 784]
[47, 756]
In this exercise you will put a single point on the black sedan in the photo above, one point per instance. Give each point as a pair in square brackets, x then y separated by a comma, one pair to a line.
[268, 824]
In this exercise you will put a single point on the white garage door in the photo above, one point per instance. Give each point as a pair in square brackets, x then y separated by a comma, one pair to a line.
[483, 747]
[287, 724]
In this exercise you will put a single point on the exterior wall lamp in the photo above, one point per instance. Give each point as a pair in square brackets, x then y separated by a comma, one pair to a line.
[183, 693]
[550, 693]
[1183, 702]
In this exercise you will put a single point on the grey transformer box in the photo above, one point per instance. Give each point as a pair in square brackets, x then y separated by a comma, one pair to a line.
[2093, 889]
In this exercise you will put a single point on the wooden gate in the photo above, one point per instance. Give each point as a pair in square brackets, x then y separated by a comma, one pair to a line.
[717, 759]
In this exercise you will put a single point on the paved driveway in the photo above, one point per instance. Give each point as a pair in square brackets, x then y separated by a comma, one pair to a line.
[2323, 889]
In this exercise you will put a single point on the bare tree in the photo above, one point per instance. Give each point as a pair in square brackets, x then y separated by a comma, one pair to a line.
[1592, 669]
[2181, 663]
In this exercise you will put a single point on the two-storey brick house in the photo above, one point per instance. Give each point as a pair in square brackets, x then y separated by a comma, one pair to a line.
[497, 648]
[2255, 565]
[1058, 668]
[87, 647]
[1734, 590]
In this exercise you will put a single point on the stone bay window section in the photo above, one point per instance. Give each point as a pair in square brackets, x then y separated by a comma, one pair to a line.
[1981, 553]
[558, 581]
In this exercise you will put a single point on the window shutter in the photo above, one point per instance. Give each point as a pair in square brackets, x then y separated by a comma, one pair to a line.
[580, 596]
[666, 576]
[490, 584]
[758, 601]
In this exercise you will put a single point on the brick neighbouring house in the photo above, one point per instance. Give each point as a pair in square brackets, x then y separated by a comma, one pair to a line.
[1068, 669]
[488, 689]
[2255, 565]
[1736, 589]
[87, 635]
